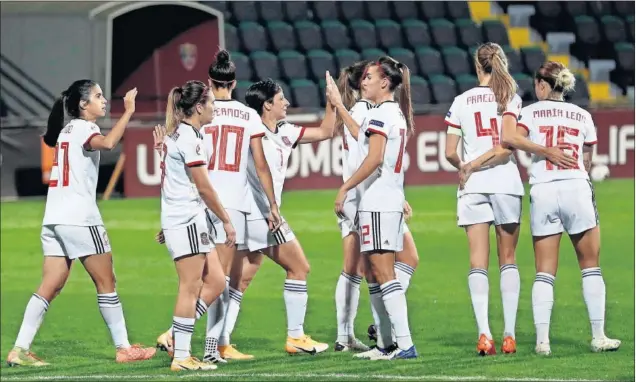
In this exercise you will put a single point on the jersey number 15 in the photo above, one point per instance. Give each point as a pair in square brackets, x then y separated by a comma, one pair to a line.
[562, 131]
[222, 149]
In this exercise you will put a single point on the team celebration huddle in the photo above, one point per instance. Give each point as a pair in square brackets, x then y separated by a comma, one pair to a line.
[223, 167]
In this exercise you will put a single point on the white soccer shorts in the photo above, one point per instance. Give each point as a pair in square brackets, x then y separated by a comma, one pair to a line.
[488, 208]
[73, 241]
[381, 231]
[190, 239]
[348, 223]
[239, 221]
[260, 237]
[564, 205]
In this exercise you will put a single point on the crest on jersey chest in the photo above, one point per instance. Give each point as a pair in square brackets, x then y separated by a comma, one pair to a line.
[287, 142]
[188, 54]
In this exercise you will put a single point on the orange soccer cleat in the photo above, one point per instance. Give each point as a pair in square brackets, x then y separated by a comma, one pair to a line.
[509, 345]
[134, 353]
[486, 346]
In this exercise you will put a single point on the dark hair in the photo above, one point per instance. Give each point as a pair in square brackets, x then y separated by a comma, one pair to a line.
[222, 71]
[559, 77]
[399, 77]
[492, 60]
[349, 87]
[70, 99]
[181, 102]
[260, 92]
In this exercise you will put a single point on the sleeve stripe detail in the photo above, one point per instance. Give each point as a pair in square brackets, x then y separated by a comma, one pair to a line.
[259, 135]
[300, 136]
[374, 131]
[87, 145]
[196, 163]
[452, 124]
[510, 113]
[590, 143]
[523, 126]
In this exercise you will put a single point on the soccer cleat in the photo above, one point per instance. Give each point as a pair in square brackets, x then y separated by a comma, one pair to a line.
[372, 333]
[212, 353]
[543, 349]
[397, 353]
[229, 352]
[354, 344]
[304, 345]
[605, 344]
[374, 352]
[164, 343]
[191, 363]
[486, 346]
[134, 353]
[21, 357]
[509, 345]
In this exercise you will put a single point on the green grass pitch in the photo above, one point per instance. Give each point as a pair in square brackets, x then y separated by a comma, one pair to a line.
[76, 341]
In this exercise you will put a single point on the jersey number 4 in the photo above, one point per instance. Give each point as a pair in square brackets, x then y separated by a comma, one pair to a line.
[562, 131]
[221, 147]
[493, 132]
[62, 168]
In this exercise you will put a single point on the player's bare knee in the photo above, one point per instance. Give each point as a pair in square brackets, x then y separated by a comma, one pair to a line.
[507, 256]
[190, 286]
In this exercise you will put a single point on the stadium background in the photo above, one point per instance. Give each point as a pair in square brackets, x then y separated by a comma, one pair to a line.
[156, 45]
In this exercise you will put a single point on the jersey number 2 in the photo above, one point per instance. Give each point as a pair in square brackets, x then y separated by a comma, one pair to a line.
[63, 168]
[221, 147]
[493, 132]
[560, 141]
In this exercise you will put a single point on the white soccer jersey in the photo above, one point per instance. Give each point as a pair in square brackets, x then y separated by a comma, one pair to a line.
[180, 200]
[71, 198]
[383, 190]
[350, 155]
[278, 147]
[551, 123]
[227, 144]
[475, 113]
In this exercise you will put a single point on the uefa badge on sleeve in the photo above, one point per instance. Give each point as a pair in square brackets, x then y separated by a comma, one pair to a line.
[188, 54]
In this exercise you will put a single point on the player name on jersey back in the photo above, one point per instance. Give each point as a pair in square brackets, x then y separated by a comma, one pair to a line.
[227, 145]
[475, 113]
[552, 123]
[71, 197]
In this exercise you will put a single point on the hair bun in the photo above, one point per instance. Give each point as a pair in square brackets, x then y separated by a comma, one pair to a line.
[223, 57]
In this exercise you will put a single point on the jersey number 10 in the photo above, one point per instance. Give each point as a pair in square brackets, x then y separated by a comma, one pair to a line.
[221, 147]
[62, 169]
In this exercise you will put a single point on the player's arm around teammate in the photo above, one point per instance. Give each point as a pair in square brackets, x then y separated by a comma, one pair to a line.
[72, 227]
[380, 211]
[562, 199]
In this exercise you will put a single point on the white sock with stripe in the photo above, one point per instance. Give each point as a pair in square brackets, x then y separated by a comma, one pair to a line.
[347, 300]
[478, 285]
[33, 317]
[403, 272]
[113, 313]
[380, 317]
[594, 295]
[395, 303]
[295, 296]
[234, 306]
[510, 286]
[182, 333]
[217, 313]
[542, 303]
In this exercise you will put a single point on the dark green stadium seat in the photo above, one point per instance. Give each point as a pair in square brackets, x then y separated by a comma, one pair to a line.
[270, 10]
[378, 10]
[420, 92]
[325, 10]
[514, 59]
[469, 34]
[457, 10]
[309, 35]
[305, 94]
[335, 34]
[417, 33]
[352, 10]
[281, 35]
[265, 64]
[406, 57]
[240, 90]
[588, 38]
[293, 64]
[623, 8]
[319, 62]
[575, 8]
[232, 42]
[244, 11]
[456, 61]
[443, 89]
[525, 85]
[430, 61]
[389, 34]
[466, 82]
[581, 94]
[344, 58]
[432, 9]
[495, 31]
[253, 36]
[533, 57]
[623, 74]
[443, 32]
[372, 54]
[630, 26]
[405, 9]
[613, 29]
[600, 8]
[363, 34]
[243, 66]
[296, 10]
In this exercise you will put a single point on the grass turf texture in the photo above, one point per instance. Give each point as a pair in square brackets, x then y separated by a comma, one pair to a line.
[75, 340]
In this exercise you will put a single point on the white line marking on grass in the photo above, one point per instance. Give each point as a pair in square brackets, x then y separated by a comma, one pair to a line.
[283, 375]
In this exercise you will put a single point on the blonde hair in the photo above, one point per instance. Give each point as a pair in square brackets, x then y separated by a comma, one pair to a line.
[181, 102]
[557, 75]
[491, 59]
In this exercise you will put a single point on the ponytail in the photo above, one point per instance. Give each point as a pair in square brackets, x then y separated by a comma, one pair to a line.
[349, 96]
[404, 98]
[173, 113]
[55, 122]
[501, 83]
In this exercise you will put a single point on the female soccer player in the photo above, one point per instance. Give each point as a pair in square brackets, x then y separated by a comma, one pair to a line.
[562, 199]
[380, 182]
[72, 227]
[184, 185]
[268, 99]
[352, 110]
